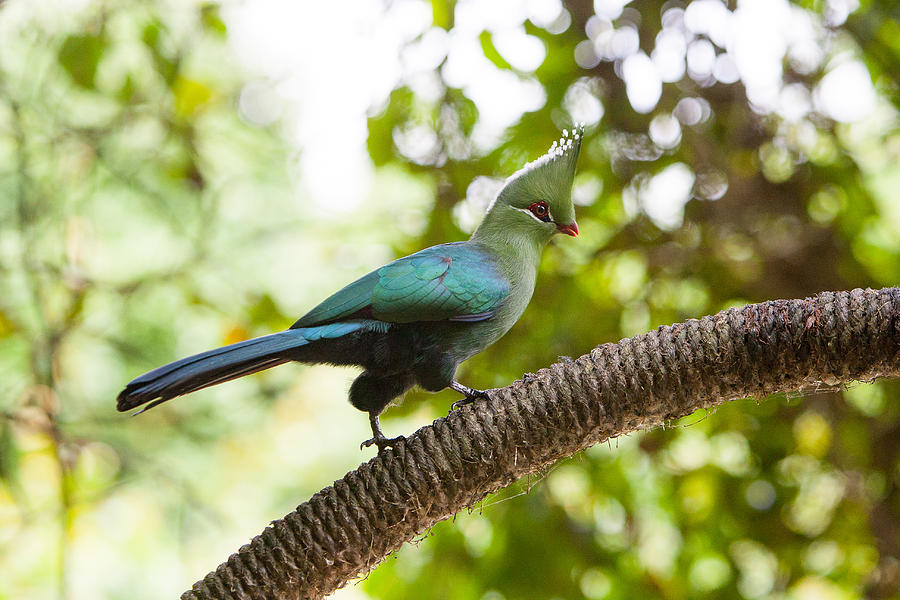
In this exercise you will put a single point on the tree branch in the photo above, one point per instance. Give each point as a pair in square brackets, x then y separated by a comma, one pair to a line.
[345, 530]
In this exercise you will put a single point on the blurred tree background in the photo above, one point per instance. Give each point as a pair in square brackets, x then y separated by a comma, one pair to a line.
[175, 176]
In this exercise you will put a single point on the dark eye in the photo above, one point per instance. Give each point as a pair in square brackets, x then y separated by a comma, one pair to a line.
[540, 210]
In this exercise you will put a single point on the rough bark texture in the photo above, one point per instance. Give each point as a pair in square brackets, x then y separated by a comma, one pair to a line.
[345, 530]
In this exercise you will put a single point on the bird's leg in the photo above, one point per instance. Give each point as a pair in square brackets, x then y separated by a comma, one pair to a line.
[471, 394]
[378, 437]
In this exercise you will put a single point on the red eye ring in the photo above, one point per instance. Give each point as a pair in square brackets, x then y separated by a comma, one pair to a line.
[540, 210]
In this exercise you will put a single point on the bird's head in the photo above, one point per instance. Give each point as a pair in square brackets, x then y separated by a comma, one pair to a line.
[538, 197]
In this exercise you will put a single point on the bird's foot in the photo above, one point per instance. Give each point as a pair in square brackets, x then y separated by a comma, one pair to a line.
[378, 437]
[471, 395]
[382, 442]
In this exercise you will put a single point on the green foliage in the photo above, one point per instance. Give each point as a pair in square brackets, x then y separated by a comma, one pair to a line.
[490, 51]
[79, 55]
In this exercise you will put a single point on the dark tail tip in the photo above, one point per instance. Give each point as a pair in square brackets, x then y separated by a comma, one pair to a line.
[125, 402]
[131, 397]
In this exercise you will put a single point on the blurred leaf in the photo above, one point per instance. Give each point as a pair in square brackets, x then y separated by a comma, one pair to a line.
[490, 51]
[190, 96]
[9, 457]
[152, 38]
[235, 334]
[79, 55]
[266, 314]
[442, 13]
[465, 110]
[380, 141]
[7, 327]
[126, 92]
[212, 20]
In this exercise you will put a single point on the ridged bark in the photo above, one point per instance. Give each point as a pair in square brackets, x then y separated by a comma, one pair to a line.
[346, 529]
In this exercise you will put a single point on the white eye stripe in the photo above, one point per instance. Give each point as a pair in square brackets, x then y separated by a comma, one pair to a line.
[532, 215]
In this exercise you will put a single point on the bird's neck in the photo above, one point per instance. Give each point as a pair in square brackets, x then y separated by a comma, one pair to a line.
[509, 242]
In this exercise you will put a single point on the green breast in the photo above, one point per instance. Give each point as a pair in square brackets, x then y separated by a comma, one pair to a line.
[519, 263]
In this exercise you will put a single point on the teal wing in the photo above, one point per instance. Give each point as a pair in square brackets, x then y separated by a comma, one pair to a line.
[456, 282]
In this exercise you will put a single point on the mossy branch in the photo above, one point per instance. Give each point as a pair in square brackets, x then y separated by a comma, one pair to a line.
[346, 529]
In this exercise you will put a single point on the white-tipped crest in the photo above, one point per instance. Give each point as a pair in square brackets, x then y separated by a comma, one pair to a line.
[557, 166]
[568, 145]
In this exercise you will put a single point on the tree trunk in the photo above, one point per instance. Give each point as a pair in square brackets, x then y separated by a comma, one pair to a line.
[346, 529]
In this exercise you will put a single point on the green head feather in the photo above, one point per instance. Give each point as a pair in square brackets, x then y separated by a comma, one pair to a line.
[546, 181]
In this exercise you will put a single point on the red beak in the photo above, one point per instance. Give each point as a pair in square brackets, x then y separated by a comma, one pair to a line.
[570, 229]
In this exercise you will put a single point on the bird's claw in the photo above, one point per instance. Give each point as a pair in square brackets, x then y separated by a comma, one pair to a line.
[383, 442]
[470, 398]
[462, 402]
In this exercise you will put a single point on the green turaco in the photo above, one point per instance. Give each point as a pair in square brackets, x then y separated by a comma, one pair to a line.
[414, 320]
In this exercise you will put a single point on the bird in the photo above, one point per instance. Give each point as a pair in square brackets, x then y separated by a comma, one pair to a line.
[414, 320]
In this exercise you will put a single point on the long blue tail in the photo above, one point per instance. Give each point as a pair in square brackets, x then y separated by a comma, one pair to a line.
[222, 364]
